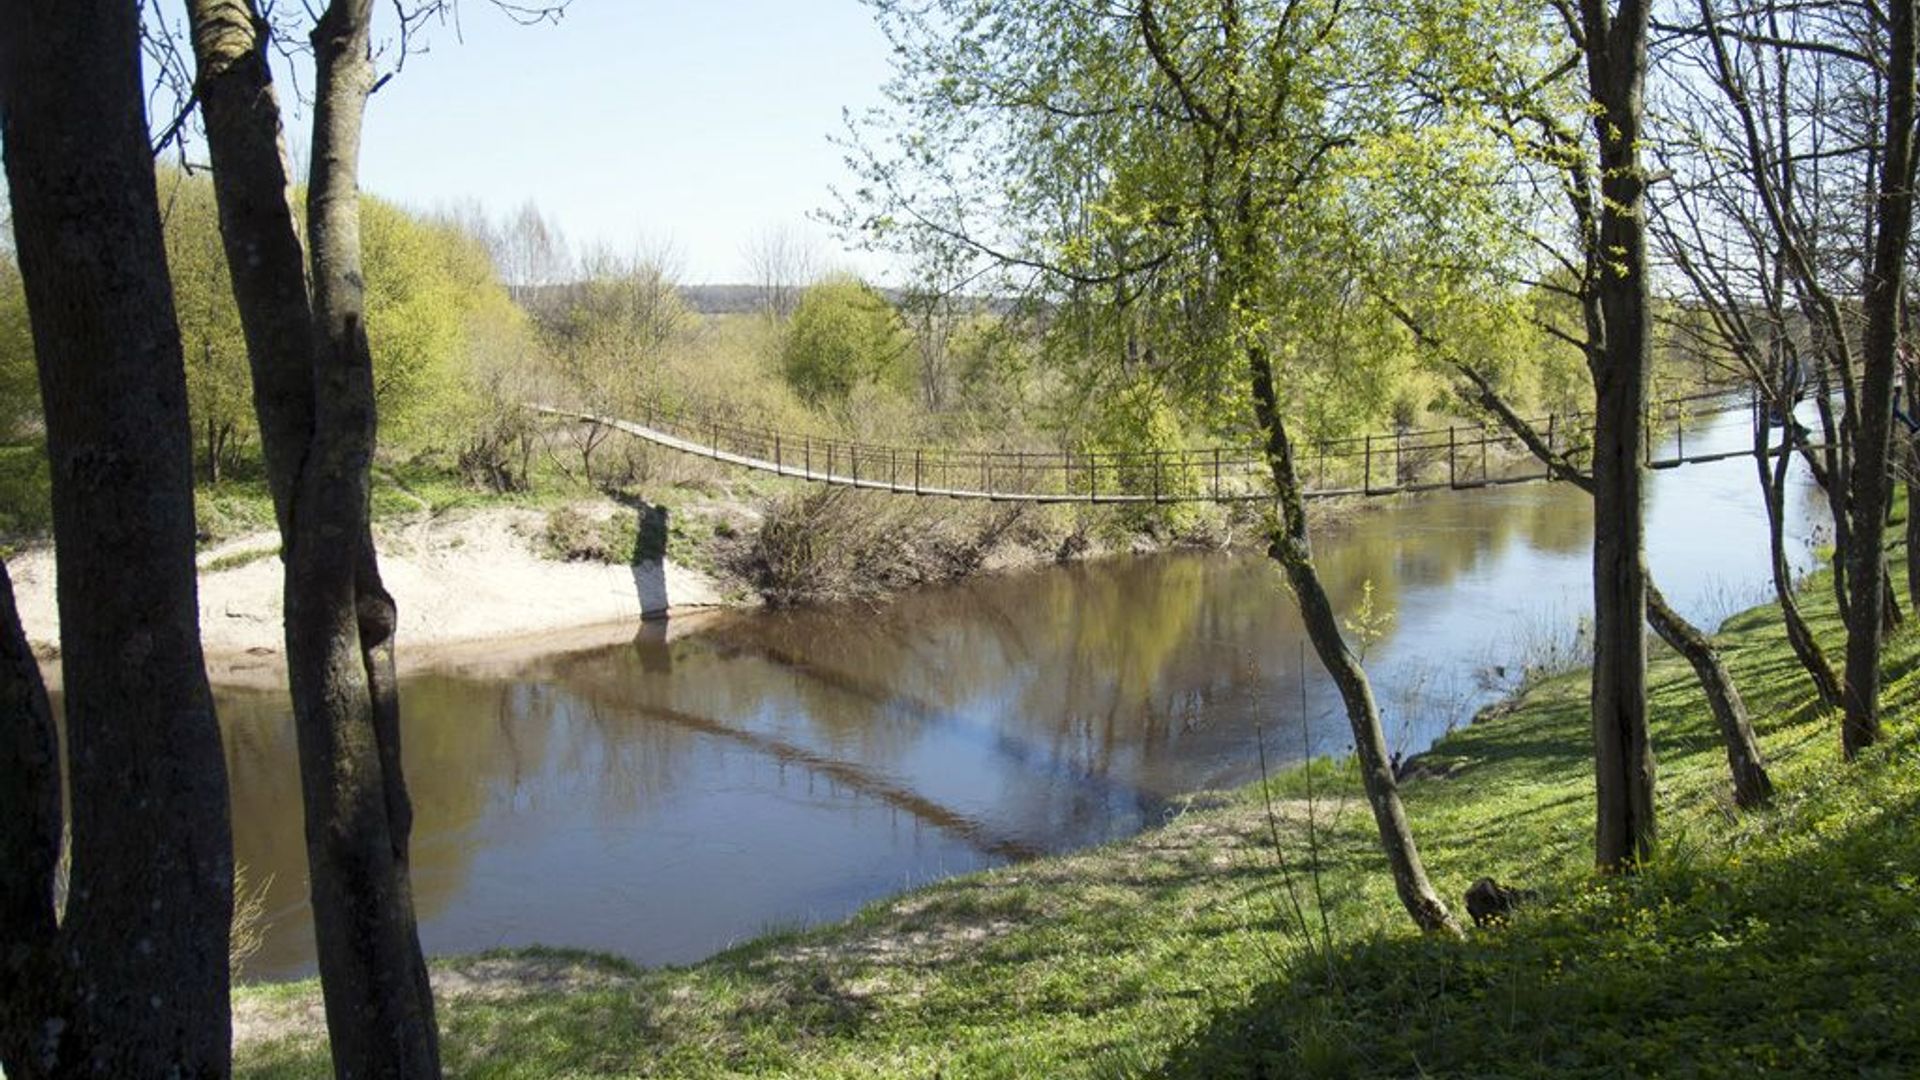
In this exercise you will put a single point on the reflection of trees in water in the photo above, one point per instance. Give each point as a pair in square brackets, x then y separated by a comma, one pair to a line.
[751, 690]
[474, 750]
[741, 693]
[605, 760]
[264, 782]
[1427, 541]
[853, 776]
[1085, 684]
[1562, 525]
[446, 768]
[1080, 673]
[945, 657]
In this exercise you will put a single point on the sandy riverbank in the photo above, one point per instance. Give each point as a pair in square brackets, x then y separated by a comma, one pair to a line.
[472, 588]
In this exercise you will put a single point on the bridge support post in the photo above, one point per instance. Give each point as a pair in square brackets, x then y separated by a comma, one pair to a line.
[1453, 476]
[1366, 481]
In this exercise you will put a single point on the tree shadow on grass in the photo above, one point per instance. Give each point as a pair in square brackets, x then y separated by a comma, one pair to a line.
[1553, 740]
[1800, 955]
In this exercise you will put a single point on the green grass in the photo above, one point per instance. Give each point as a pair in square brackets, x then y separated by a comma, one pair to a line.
[1784, 940]
[427, 484]
[235, 560]
[231, 509]
[242, 506]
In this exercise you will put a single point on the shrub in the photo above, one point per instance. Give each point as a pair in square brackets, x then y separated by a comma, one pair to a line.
[842, 336]
[573, 535]
[833, 544]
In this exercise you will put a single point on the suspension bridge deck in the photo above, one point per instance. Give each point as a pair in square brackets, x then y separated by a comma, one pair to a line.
[1457, 458]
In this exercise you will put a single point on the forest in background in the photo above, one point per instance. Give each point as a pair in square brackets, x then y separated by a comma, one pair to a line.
[473, 317]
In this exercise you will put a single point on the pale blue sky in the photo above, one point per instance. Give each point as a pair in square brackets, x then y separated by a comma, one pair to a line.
[635, 122]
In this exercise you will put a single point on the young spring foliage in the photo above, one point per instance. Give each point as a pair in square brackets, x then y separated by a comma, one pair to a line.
[1057, 143]
[436, 316]
[843, 335]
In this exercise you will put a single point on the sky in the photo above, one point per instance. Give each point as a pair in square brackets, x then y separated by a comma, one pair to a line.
[635, 124]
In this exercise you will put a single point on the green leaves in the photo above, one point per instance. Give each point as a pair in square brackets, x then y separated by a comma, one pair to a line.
[218, 382]
[843, 335]
[431, 289]
[19, 384]
[1188, 178]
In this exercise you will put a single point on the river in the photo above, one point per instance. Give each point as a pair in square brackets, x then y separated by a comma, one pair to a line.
[663, 800]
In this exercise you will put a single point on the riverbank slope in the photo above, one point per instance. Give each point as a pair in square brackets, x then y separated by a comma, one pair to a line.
[472, 583]
[1257, 933]
[488, 584]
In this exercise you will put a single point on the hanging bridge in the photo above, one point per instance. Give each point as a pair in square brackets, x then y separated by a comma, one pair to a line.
[1454, 458]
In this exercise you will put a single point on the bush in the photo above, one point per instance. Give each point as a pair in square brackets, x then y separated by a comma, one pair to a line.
[834, 544]
[842, 336]
[1126, 429]
[621, 539]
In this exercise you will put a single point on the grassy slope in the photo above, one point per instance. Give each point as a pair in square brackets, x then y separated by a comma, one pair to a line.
[1788, 939]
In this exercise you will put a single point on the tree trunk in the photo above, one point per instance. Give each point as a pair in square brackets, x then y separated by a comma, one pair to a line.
[1290, 547]
[390, 1023]
[1913, 522]
[1800, 636]
[1616, 53]
[216, 448]
[253, 188]
[29, 845]
[1836, 466]
[1752, 786]
[1909, 456]
[141, 982]
[1748, 766]
[313, 389]
[1872, 478]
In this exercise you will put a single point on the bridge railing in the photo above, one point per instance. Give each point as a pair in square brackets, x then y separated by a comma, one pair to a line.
[1457, 456]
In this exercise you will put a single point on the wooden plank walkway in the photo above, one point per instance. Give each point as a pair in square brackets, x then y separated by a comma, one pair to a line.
[1457, 458]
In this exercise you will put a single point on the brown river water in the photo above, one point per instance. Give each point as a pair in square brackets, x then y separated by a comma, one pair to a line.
[664, 800]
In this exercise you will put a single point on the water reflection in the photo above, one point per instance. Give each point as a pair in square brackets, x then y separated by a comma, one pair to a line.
[661, 799]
